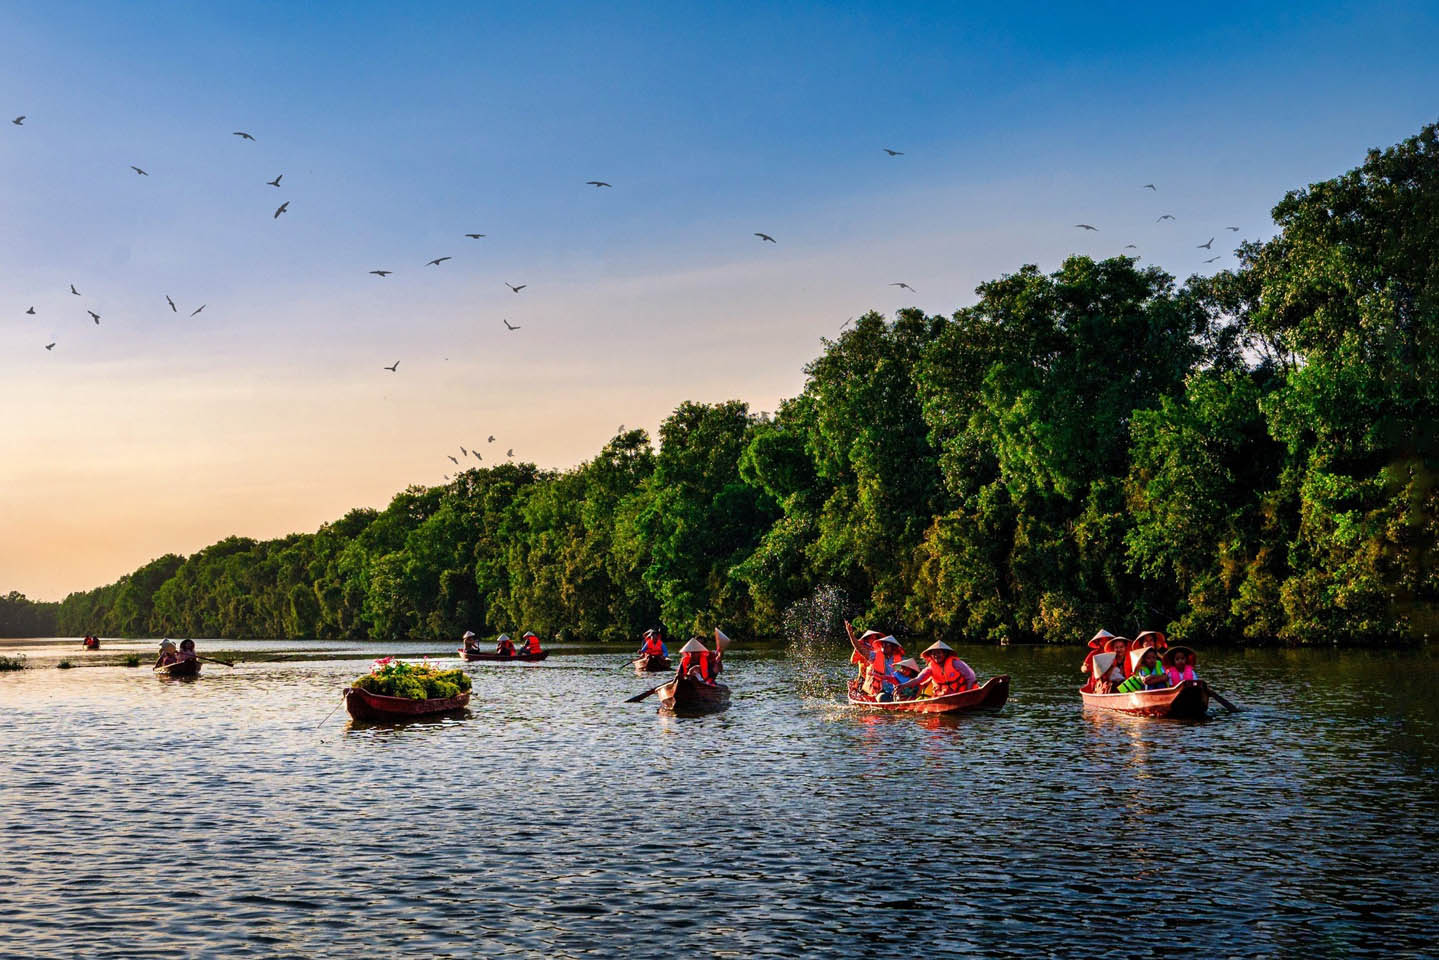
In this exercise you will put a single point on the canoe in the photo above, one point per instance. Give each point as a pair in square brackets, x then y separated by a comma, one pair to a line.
[690, 697]
[1189, 700]
[501, 658]
[652, 664]
[989, 695]
[183, 668]
[363, 705]
[90, 644]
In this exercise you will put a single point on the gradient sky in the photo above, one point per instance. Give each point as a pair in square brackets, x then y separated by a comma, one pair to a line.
[401, 127]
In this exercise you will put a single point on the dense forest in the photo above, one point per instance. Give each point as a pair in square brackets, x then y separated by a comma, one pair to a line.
[1248, 457]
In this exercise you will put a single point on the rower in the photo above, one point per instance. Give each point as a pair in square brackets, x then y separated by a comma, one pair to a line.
[698, 663]
[471, 642]
[946, 673]
[168, 653]
[880, 681]
[531, 645]
[504, 646]
[1145, 672]
[653, 645]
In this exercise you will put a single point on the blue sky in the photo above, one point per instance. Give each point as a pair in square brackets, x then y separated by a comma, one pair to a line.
[398, 129]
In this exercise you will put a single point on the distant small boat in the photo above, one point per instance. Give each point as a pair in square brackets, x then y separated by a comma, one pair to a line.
[180, 668]
[363, 705]
[1189, 700]
[91, 643]
[652, 663]
[687, 696]
[502, 658]
[989, 695]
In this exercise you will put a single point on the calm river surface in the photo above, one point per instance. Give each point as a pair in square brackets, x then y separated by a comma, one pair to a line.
[156, 818]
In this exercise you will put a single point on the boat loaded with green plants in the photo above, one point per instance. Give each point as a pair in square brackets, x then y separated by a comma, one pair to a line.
[394, 689]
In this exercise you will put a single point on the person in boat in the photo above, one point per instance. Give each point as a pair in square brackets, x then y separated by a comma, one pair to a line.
[699, 663]
[168, 653]
[504, 646]
[187, 650]
[531, 645]
[905, 672]
[1097, 644]
[880, 681]
[945, 673]
[1179, 665]
[471, 642]
[653, 645]
[1116, 651]
[1145, 673]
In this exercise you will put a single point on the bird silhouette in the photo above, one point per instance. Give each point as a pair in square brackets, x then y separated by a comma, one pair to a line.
[1205, 245]
[198, 309]
[138, 170]
[904, 286]
[394, 367]
[765, 236]
[508, 326]
[437, 261]
[1235, 229]
[599, 183]
[474, 236]
[514, 288]
[1150, 186]
[491, 440]
[1131, 246]
[510, 452]
[453, 460]
[73, 290]
[463, 451]
[275, 182]
[382, 273]
[894, 153]
[243, 135]
[1212, 259]
[20, 122]
[477, 455]
[283, 207]
[94, 316]
[49, 346]
[173, 308]
[1085, 226]
[1165, 216]
[31, 311]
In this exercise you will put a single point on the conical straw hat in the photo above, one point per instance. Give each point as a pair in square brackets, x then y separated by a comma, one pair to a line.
[694, 646]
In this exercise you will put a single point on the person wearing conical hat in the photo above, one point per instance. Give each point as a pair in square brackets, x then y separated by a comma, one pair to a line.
[504, 646]
[905, 671]
[945, 673]
[168, 653]
[698, 662]
[1145, 671]
[653, 645]
[470, 641]
[1179, 665]
[880, 681]
[1096, 645]
[1111, 665]
[530, 645]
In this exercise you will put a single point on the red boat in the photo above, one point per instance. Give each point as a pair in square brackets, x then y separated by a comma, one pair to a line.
[652, 664]
[364, 705]
[989, 695]
[1189, 700]
[689, 697]
[503, 658]
[180, 668]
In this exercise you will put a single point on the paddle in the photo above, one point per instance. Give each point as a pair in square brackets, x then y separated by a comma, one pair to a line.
[1222, 702]
[228, 663]
[639, 697]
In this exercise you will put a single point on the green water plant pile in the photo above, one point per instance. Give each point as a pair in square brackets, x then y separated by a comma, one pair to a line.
[16, 662]
[415, 681]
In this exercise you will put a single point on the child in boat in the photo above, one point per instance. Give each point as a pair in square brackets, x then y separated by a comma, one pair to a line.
[1109, 679]
[187, 649]
[1147, 673]
[904, 672]
[168, 654]
[1179, 665]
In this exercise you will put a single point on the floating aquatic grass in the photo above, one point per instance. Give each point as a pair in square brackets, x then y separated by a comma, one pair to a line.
[16, 662]
[133, 660]
[64, 665]
[416, 681]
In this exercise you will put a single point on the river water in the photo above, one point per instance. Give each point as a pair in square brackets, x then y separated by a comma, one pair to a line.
[161, 818]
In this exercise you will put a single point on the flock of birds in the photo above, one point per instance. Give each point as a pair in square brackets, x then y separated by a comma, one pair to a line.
[383, 273]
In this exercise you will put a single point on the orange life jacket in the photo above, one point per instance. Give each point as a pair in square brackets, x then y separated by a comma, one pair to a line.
[946, 676]
[654, 646]
[507, 648]
[532, 644]
[704, 661]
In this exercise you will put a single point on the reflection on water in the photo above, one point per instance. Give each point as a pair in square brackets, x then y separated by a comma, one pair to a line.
[145, 818]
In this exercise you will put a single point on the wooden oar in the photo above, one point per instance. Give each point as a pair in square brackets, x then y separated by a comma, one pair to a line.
[227, 663]
[1222, 702]
[639, 697]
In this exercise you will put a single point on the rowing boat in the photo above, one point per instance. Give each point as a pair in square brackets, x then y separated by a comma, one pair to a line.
[364, 705]
[652, 663]
[989, 695]
[180, 668]
[688, 697]
[503, 658]
[1189, 700]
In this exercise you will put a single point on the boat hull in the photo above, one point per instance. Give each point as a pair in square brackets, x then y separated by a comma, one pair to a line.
[686, 697]
[363, 705]
[1189, 700]
[184, 668]
[652, 665]
[501, 658]
[989, 695]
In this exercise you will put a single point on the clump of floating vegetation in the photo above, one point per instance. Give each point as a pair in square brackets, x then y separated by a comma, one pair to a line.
[16, 662]
[395, 678]
[64, 664]
[133, 660]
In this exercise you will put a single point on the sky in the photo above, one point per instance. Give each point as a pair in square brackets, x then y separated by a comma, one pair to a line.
[399, 128]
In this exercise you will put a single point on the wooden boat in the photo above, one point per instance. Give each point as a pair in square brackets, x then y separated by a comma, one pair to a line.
[1189, 700]
[91, 643]
[181, 668]
[363, 705]
[989, 695]
[502, 658]
[690, 697]
[652, 664]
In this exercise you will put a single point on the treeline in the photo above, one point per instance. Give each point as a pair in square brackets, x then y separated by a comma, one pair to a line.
[1248, 457]
[22, 617]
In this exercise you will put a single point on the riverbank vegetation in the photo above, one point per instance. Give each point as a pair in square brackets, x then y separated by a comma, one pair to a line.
[1247, 457]
[23, 617]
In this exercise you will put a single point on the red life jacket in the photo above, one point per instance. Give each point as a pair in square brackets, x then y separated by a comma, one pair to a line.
[704, 661]
[946, 676]
[532, 644]
[654, 647]
[507, 648]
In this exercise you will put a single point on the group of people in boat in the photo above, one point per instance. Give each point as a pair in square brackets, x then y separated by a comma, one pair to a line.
[170, 654]
[504, 646]
[90, 643]
[1148, 662]
[886, 674]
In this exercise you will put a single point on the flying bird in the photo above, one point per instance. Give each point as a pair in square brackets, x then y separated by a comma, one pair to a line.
[243, 135]
[394, 367]
[1131, 246]
[1166, 216]
[515, 288]
[1205, 244]
[1212, 259]
[199, 308]
[282, 208]
[49, 346]
[599, 183]
[474, 236]
[453, 460]
[275, 182]
[894, 153]
[437, 261]
[73, 290]
[1235, 229]
[464, 452]
[382, 273]
[31, 311]
[94, 316]
[138, 170]
[510, 452]
[765, 236]
[173, 308]
[1150, 186]
[492, 439]
[1085, 226]
[903, 286]
[507, 325]
[477, 455]
[20, 122]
